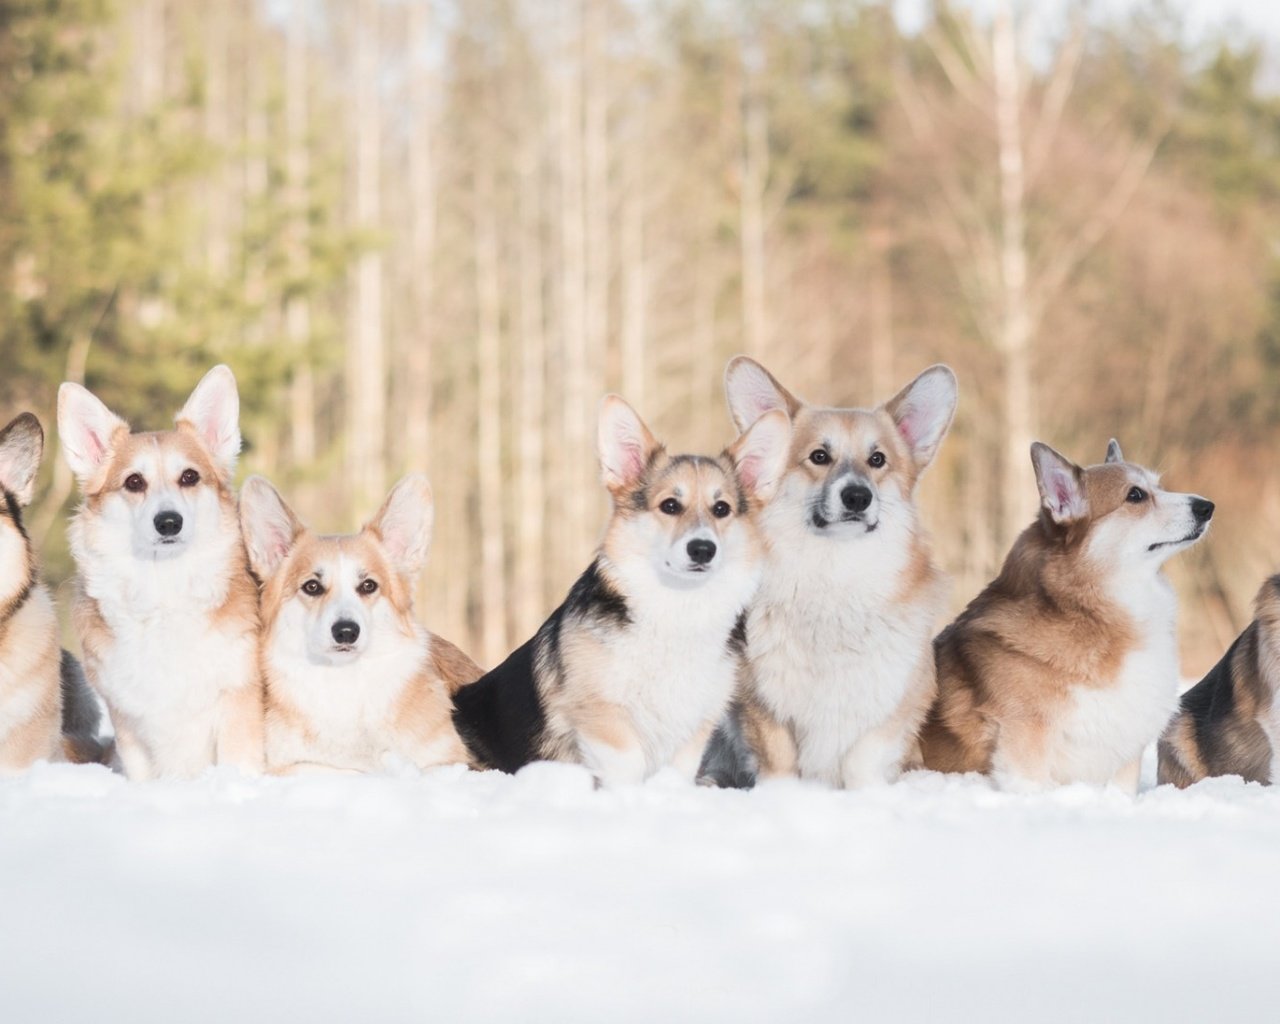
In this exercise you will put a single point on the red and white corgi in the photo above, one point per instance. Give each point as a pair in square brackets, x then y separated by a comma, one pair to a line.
[353, 681]
[633, 672]
[46, 711]
[166, 609]
[839, 665]
[1066, 667]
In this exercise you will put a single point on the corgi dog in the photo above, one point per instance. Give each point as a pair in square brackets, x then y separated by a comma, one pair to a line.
[1066, 666]
[166, 609]
[637, 666]
[352, 681]
[46, 710]
[1229, 722]
[839, 668]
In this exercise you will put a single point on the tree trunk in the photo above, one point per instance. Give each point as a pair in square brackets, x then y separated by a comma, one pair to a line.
[755, 171]
[302, 403]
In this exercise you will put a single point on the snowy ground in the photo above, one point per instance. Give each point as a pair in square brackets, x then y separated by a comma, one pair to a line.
[458, 896]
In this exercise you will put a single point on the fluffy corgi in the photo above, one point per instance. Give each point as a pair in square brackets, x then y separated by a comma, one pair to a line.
[1229, 722]
[1066, 666]
[352, 681]
[166, 609]
[46, 710]
[634, 670]
[839, 668]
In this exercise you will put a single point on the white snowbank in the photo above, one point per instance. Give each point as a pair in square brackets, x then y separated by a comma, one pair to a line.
[457, 896]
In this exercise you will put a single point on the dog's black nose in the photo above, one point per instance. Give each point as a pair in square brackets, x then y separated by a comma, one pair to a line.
[856, 497]
[345, 632]
[1202, 509]
[168, 524]
[701, 551]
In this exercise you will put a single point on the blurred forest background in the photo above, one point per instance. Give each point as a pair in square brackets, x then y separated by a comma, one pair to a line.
[430, 234]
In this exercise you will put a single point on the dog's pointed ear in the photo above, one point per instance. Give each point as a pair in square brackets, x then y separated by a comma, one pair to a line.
[752, 391]
[624, 444]
[86, 430]
[404, 523]
[213, 410]
[1061, 484]
[21, 448]
[268, 525]
[1114, 454]
[760, 455]
[923, 410]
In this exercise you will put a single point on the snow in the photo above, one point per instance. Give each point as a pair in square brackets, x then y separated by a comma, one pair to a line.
[456, 896]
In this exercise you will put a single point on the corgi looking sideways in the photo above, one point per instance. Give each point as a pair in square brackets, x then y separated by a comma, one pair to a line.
[1066, 666]
[46, 710]
[1229, 722]
[352, 681]
[634, 670]
[839, 667]
[166, 609]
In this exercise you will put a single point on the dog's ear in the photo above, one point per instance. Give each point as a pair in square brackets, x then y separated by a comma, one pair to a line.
[21, 447]
[624, 443]
[1061, 484]
[86, 429]
[268, 525]
[923, 410]
[760, 455]
[213, 410]
[1114, 454]
[752, 391]
[404, 523]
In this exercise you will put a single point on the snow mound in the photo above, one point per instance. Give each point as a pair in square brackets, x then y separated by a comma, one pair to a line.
[456, 896]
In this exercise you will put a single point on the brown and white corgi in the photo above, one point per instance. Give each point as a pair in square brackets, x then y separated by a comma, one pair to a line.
[166, 609]
[46, 710]
[1229, 722]
[839, 666]
[1066, 666]
[353, 682]
[633, 672]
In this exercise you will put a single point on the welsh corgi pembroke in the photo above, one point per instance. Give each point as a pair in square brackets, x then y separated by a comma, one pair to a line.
[1066, 666]
[839, 668]
[166, 609]
[1229, 722]
[353, 682]
[46, 710]
[634, 670]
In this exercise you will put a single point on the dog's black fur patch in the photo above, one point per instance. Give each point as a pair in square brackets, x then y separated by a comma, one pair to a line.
[501, 717]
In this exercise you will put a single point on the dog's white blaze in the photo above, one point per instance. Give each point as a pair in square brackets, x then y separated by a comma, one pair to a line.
[671, 669]
[832, 652]
[348, 699]
[168, 663]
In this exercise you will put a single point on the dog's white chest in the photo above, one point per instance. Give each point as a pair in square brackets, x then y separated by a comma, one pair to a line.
[1108, 727]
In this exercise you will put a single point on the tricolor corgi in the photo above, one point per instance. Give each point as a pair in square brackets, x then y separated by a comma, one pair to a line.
[637, 666]
[1229, 722]
[353, 682]
[46, 710]
[839, 668]
[166, 609]
[1066, 667]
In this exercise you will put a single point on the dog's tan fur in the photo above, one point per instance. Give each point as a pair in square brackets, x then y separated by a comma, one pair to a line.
[411, 717]
[1043, 635]
[1229, 723]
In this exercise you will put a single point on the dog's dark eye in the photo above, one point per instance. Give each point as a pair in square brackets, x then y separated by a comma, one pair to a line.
[367, 586]
[671, 507]
[720, 509]
[819, 457]
[1136, 495]
[876, 460]
[189, 478]
[134, 482]
[313, 588]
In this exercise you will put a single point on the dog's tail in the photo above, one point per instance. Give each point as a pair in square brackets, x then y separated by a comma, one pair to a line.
[729, 762]
[84, 740]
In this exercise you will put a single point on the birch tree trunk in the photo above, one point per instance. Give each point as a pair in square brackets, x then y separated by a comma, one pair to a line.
[755, 171]
[302, 406]
[422, 201]
[366, 361]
